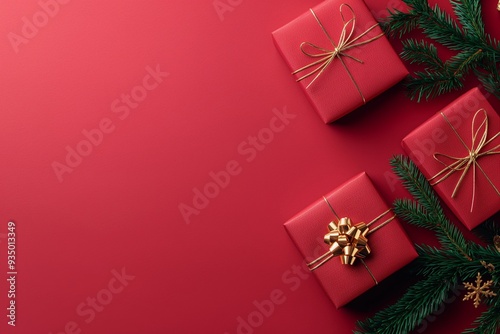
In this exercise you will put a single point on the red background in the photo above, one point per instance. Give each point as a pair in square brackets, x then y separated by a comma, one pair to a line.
[119, 207]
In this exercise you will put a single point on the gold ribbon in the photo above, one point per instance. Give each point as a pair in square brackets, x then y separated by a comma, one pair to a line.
[498, 6]
[475, 151]
[348, 241]
[327, 56]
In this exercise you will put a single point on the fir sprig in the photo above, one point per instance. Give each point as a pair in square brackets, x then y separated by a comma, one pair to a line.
[476, 50]
[441, 269]
[412, 308]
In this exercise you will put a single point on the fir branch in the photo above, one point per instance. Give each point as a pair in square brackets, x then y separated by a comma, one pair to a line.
[401, 23]
[448, 262]
[463, 62]
[413, 213]
[439, 26]
[442, 269]
[421, 52]
[469, 14]
[409, 311]
[476, 49]
[431, 84]
[416, 183]
[433, 217]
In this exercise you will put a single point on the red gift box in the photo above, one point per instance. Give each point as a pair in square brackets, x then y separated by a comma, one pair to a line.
[362, 70]
[390, 247]
[443, 148]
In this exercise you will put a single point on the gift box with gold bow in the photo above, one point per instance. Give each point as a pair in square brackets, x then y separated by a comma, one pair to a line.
[458, 150]
[340, 56]
[350, 239]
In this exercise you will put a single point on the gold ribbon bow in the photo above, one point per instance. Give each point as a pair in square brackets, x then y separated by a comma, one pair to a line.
[348, 241]
[327, 56]
[475, 151]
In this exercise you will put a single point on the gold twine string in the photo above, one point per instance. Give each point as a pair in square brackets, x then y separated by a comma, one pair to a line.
[315, 264]
[346, 42]
[476, 151]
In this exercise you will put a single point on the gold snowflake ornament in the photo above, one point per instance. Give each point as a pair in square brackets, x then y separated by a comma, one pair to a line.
[478, 290]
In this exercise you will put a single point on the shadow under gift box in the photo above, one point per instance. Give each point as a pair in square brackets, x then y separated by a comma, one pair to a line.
[334, 93]
[438, 136]
[390, 247]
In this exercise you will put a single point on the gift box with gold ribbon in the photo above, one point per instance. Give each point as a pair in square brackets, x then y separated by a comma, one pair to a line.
[458, 150]
[350, 240]
[340, 56]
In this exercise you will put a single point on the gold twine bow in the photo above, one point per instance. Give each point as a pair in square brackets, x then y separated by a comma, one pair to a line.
[327, 56]
[475, 151]
[348, 241]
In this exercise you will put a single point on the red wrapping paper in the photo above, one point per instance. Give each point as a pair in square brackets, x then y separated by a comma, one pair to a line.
[359, 200]
[435, 135]
[334, 94]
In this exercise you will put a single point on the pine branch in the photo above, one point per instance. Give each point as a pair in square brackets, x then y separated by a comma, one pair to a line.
[413, 213]
[401, 23]
[428, 212]
[469, 14]
[476, 49]
[416, 183]
[439, 26]
[449, 262]
[411, 309]
[422, 53]
[464, 61]
[442, 269]
[431, 84]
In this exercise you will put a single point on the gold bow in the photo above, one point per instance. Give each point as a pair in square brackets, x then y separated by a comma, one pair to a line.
[476, 151]
[348, 241]
[346, 42]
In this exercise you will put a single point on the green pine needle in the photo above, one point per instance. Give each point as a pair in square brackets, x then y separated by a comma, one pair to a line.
[400, 24]
[441, 269]
[469, 14]
[476, 50]
[431, 84]
[421, 52]
[416, 183]
[408, 312]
